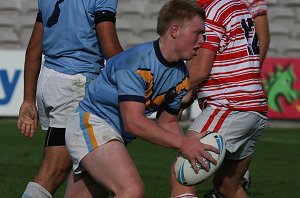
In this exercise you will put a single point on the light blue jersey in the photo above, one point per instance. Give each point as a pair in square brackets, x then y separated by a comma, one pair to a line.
[140, 74]
[70, 44]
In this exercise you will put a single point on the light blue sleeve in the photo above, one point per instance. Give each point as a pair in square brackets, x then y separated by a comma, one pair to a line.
[175, 104]
[110, 5]
[130, 85]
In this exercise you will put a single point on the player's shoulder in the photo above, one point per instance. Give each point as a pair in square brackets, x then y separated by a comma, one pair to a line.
[223, 10]
[219, 7]
[133, 57]
[138, 52]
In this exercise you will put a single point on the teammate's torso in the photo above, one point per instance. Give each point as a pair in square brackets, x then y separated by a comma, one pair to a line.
[70, 44]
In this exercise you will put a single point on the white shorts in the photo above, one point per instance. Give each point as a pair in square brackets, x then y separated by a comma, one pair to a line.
[84, 133]
[241, 130]
[58, 95]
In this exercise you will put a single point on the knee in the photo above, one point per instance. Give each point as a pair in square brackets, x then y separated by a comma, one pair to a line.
[137, 192]
[55, 171]
[62, 169]
[132, 191]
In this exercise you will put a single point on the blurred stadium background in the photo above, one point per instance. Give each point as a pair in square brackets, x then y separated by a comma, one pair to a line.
[136, 23]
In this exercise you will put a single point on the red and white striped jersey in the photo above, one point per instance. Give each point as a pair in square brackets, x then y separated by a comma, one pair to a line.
[256, 7]
[235, 81]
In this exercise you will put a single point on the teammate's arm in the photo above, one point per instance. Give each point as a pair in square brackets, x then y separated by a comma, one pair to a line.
[107, 34]
[200, 66]
[263, 34]
[28, 117]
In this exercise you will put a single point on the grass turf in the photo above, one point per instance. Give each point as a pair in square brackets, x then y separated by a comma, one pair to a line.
[274, 169]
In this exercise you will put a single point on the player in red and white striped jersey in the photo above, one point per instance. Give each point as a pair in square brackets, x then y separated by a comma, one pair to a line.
[235, 80]
[227, 74]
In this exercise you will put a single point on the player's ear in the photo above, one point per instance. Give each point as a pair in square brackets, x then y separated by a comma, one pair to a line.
[174, 29]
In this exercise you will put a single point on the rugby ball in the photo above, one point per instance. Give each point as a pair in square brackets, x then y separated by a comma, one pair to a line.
[184, 172]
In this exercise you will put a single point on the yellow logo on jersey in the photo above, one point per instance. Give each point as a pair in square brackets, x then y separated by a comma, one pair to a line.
[164, 97]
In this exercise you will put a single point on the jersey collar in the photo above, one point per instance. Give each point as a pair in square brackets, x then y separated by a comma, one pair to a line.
[160, 56]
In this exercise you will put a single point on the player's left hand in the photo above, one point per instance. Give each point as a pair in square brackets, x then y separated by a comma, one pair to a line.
[28, 119]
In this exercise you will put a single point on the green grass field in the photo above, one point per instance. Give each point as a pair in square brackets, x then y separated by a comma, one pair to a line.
[274, 170]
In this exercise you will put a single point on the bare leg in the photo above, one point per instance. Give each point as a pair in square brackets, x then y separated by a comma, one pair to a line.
[227, 179]
[88, 187]
[55, 167]
[111, 166]
[177, 188]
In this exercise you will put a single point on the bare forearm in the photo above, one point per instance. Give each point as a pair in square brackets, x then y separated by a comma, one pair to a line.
[33, 62]
[31, 73]
[263, 49]
[263, 34]
[200, 66]
[172, 127]
[109, 40]
[136, 123]
[150, 131]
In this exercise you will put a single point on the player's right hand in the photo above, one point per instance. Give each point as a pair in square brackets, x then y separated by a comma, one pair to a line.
[194, 150]
[28, 119]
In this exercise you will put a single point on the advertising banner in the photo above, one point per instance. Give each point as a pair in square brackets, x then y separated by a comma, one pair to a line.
[281, 77]
[11, 81]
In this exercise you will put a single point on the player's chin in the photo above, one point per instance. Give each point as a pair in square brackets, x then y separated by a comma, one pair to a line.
[190, 56]
[188, 59]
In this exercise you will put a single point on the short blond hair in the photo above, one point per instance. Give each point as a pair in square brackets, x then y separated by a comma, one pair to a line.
[177, 10]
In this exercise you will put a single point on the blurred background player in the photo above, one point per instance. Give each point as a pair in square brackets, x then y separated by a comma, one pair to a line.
[258, 10]
[227, 74]
[144, 79]
[75, 36]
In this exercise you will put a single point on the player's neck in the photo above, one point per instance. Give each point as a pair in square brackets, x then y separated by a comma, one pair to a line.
[167, 50]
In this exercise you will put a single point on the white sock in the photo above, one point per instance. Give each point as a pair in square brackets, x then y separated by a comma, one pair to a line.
[186, 195]
[34, 190]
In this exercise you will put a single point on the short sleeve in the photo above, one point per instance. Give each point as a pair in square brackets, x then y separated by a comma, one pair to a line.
[131, 87]
[106, 5]
[258, 7]
[174, 106]
[213, 35]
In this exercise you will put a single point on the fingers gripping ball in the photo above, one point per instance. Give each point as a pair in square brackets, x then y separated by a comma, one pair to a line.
[184, 172]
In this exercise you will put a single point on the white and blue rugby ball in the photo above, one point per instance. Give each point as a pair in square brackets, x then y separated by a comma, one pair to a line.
[184, 171]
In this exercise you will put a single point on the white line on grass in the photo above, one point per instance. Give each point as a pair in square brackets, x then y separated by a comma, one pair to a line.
[273, 140]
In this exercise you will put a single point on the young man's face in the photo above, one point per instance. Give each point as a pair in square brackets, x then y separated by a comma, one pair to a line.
[190, 36]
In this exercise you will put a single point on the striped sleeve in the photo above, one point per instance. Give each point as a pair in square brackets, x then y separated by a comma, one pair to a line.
[256, 7]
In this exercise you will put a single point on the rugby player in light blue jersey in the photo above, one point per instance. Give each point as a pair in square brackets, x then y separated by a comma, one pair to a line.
[147, 78]
[75, 36]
